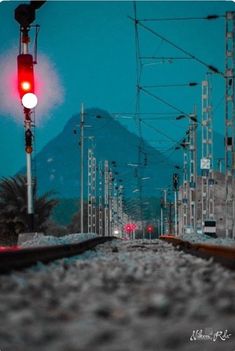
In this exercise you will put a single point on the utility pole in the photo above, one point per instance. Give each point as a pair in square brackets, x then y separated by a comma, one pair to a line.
[106, 198]
[185, 197]
[193, 171]
[82, 168]
[101, 209]
[164, 211]
[120, 208]
[161, 217]
[170, 218]
[115, 207]
[207, 177]
[110, 201]
[91, 191]
[176, 188]
[229, 126]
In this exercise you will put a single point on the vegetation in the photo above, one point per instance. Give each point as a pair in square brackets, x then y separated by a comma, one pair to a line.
[48, 217]
[13, 209]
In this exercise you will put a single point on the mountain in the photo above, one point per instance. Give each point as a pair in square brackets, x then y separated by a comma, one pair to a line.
[58, 163]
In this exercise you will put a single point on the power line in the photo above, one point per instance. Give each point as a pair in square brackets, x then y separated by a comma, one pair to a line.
[159, 131]
[208, 18]
[210, 67]
[164, 101]
[142, 113]
[190, 84]
[164, 58]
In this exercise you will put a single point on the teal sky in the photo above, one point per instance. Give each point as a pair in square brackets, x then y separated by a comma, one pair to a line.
[92, 48]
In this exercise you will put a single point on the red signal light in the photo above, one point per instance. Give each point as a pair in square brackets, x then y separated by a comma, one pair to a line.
[25, 86]
[25, 74]
[128, 228]
[150, 229]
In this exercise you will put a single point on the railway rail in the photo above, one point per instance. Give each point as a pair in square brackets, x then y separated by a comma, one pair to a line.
[20, 258]
[221, 254]
[16, 259]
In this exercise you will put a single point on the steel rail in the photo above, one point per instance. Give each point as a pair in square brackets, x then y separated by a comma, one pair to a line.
[23, 258]
[221, 254]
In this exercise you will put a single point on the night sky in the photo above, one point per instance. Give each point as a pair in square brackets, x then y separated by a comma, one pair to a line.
[86, 53]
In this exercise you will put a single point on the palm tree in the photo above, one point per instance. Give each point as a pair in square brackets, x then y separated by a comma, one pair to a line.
[13, 208]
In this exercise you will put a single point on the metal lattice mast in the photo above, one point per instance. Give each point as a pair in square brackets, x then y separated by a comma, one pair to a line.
[93, 185]
[120, 208]
[91, 191]
[100, 199]
[106, 198]
[90, 157]
[185, 185]
[207, 181]
[229, 124]
[115, 207]
[82, 168]
[193, 172]
[110, 201]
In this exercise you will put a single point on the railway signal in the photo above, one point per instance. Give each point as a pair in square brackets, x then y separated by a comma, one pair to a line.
[26, 80]
[150, 230]
[130, 228]
[25, 15]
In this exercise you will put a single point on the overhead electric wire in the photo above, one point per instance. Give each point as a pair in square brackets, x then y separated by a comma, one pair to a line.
[190, 84]
[164, 58]
[166, 116]
[159, 131]
[164, 102]
[208, 18]
[210, 67]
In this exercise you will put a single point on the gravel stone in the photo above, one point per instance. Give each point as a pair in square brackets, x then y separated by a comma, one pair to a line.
[124, 296]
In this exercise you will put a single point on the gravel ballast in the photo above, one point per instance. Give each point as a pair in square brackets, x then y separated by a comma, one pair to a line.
[122, 296]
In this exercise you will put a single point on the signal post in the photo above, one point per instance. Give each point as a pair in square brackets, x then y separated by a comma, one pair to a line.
[25, 15]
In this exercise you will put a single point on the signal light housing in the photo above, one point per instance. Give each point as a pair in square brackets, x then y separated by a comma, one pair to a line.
[28, 141]
[25, 74]
[26, 80]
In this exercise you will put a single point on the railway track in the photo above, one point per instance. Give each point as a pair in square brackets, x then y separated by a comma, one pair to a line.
[221, 254]
[22, 258]
[16, 259]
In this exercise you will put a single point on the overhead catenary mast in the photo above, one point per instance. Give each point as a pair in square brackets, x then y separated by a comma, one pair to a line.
[207, 178]
[229, 125]
[120, 210]
[91, 191]
[185, 197]
[193, 172]
[82, 169]
[100, 199]
[106, 198]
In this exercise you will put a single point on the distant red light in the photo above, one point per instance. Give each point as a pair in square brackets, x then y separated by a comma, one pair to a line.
[130, 227]
[150, 229]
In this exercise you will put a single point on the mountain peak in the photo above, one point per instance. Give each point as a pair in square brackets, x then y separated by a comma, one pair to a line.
[58, 163]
